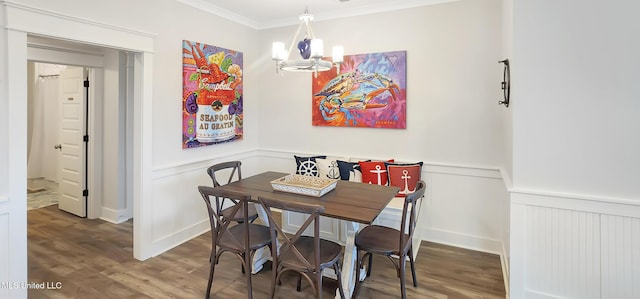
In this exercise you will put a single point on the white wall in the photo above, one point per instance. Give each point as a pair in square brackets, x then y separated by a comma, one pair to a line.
[576, 200]
[452, 87]
[454, 123]
[507, 167]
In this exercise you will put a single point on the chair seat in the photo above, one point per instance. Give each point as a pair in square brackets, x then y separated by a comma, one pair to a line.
[238, 217]
[329, 253]
[259, 236]
[378, 239]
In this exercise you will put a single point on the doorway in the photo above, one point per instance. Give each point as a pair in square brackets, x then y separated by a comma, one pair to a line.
[57, 152]
[78, 180]
[20, 22]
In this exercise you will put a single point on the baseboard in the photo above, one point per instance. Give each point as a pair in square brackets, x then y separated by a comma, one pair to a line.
[463, 241]
[113, 216]
[539, 295]
[504, 262]
[175, 239]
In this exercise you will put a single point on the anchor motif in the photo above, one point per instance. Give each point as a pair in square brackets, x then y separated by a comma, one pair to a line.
[378, 171]
[334, 171]
[405, 176]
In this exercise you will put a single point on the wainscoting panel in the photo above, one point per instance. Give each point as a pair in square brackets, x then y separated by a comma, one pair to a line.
[4, 251]
[620, 257]
[567, 246]
[465, 206]
[563, 252]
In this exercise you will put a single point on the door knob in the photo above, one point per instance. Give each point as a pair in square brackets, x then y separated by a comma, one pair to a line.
[58, 146]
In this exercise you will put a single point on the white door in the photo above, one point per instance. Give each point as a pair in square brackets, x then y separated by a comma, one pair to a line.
[72, 131]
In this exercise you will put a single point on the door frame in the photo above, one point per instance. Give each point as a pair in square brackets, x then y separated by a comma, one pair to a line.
[21, 20]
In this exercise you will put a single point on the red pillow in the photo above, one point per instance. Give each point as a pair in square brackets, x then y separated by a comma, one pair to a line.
[374, 172]
[404, 176]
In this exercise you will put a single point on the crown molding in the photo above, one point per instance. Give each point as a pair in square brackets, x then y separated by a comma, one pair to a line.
[318, 16]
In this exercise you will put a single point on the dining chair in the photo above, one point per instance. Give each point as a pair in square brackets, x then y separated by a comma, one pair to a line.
[241, 239]
[232, 171]
[306, 255]
[389, 242]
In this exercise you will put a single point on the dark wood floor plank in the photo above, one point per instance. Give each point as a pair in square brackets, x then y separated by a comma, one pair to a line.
[94, 259]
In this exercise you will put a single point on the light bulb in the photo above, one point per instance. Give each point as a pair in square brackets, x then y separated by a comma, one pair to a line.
[338, 54]
[317, 50]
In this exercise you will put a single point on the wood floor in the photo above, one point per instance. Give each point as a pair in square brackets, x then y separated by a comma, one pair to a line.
[94, 259]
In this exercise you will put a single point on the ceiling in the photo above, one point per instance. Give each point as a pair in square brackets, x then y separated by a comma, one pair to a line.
[263, 14]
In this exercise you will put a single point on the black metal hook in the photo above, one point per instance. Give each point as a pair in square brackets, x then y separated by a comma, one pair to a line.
[505, 85]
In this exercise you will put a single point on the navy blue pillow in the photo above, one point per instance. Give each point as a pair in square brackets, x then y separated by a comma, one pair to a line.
[346, 168]
[307, 165]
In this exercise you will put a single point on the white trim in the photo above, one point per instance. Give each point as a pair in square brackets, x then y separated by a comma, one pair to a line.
[22, 20]
[175, 169]
[341, 12]
[13, 81]
[464, 170]
[506, 178]
[428, 167]
[113, 216]
[167, 242]
[62, 56]
[467, 241]
[600, 205]
[504, 263]
[142, 156]
[94, 131]
[31, 19]
[221, 12]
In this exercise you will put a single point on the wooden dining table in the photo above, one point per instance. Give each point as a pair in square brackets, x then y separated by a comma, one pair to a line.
[355, 203]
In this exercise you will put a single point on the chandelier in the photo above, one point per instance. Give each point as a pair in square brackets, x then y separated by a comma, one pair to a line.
[310, 49]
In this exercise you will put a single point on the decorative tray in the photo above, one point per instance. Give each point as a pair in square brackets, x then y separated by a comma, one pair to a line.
[305, 185]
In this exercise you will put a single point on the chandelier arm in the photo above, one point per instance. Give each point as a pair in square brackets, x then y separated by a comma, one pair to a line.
[293, 41]
[309, 30]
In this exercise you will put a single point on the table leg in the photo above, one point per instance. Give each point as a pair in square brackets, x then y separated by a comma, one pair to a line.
[349, 262]
[262, 255]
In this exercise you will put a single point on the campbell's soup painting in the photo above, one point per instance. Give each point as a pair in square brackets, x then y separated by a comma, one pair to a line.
[212, 94]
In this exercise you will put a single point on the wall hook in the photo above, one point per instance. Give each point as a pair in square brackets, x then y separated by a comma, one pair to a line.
[505, 85]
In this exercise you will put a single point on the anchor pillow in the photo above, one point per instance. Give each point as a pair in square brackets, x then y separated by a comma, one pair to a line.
[375, 172]
[307, 165]
[404, 176]
[328, 168]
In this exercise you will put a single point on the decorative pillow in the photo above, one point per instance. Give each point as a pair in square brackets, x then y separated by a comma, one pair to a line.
[307, 165]
[328, 168]
[404, 176]
[349, 171]
[374, 172]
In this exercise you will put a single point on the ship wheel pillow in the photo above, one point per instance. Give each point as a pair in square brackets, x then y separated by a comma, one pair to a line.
[404, 176]
[307, 165]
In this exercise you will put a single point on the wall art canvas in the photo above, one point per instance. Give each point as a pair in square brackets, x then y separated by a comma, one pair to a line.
[211, 95]
[369, 91]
